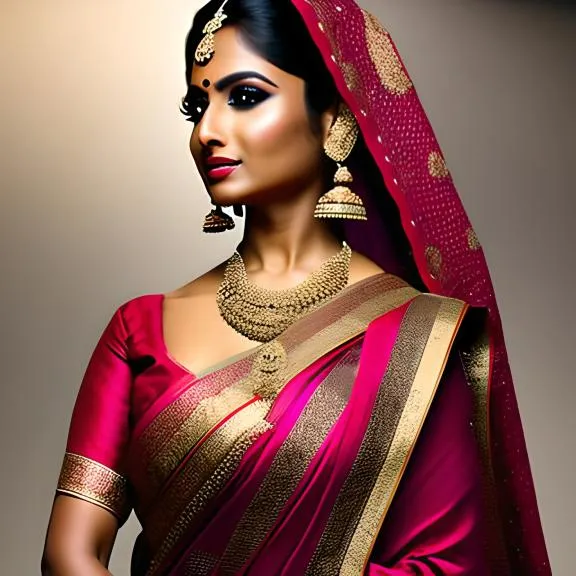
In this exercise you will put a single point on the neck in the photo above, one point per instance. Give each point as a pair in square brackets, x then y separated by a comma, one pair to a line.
[285, 237]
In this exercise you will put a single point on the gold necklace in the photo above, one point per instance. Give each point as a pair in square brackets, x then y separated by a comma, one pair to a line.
[261, 314]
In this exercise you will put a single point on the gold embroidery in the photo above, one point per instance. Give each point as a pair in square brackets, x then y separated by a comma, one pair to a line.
[291, 462]
[351, 76]
[95, 483]
[473, 242]
[390, 399]
[305, 342]
[434, 261]
[475, 357]
[207, 414]
[384, 57]
[422, 392]
[437, 165]
[203, 476]
[200, 564]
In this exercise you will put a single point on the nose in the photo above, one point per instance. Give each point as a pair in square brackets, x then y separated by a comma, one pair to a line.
[211, 128]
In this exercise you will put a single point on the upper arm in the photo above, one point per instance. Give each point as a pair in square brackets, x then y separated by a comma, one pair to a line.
[92, 492]
[78, 531]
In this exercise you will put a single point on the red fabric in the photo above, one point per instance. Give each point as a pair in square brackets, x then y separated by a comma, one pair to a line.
[441, 241]
[436, 522]
[128, 372]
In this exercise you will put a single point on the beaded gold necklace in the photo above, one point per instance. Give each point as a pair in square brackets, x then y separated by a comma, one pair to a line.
[261, 314]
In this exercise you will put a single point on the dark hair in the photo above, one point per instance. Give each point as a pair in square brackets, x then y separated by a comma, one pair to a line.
[275, 29]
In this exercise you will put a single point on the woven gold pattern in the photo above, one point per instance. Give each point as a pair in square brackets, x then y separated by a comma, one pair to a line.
[332, 324]
[203, 474]
[95, 483]
[261, 314]
[437, 165]
[216, 456]
[291, 462]
[209, 413]
[384, 57]
[475, 356]
[391, 397]
[473, 242]
[434, 261]
[426, 380]
[200, 564]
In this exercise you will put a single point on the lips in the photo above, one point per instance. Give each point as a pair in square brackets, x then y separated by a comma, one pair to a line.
[218, 167]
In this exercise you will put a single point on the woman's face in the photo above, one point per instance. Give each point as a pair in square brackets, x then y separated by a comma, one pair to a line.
[252, 135]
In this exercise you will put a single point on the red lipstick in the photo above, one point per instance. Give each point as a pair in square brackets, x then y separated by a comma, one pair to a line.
[219, 167]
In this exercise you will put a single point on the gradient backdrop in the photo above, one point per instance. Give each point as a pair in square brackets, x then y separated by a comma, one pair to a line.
[100, 203]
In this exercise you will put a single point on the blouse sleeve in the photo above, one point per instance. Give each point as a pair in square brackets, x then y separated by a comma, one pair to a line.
[94, 462]
[436, 522]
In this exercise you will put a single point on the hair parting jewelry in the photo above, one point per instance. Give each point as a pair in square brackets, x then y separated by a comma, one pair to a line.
[205, 49]
[261, 314]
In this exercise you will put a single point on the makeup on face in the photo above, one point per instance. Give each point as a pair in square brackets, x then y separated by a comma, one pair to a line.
[252, 138]
[241, 95]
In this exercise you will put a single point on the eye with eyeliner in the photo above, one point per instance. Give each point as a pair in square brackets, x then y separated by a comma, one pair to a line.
[245, 96]
[240, 96]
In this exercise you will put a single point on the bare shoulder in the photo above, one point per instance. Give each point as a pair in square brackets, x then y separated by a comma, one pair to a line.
[362, 267]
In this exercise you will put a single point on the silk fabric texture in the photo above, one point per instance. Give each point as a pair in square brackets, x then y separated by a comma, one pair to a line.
[229, 492]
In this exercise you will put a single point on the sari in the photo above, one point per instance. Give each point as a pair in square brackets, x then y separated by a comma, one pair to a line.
[379, 434]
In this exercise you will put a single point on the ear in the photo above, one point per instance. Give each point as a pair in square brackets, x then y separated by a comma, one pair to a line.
[328, 118]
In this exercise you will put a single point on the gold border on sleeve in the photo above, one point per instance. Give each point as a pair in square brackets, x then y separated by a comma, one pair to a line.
[88, 480]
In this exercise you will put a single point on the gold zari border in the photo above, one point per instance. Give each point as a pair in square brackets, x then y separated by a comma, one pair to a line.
[95, 483]
[422, 392]
[305, 342]
[308, 340]
[286, 471]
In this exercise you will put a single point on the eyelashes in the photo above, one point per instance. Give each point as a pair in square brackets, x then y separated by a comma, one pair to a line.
[241, 97]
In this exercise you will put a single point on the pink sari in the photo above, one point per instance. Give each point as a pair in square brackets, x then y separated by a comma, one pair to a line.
[378, 435]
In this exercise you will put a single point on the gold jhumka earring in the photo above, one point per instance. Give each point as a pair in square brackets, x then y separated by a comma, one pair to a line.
[217, 221]
[341, 202]
[205, 49]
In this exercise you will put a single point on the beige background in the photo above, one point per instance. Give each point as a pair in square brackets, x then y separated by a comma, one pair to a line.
[100, 202]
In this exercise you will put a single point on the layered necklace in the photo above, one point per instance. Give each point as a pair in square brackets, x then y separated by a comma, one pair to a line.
[261, 314]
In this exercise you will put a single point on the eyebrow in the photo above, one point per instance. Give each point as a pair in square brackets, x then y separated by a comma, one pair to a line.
[227, 81]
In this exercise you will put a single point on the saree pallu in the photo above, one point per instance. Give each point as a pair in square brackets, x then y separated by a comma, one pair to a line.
[298, 477]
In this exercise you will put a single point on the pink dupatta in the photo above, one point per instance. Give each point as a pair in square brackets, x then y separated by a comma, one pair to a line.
[372, 79]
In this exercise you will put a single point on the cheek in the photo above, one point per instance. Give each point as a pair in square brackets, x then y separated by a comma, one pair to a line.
[280, 130]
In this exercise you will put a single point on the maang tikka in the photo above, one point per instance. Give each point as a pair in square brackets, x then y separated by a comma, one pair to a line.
[341, 202]
[205, 49]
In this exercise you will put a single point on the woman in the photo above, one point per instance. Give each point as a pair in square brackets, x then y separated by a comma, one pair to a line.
[305, 408]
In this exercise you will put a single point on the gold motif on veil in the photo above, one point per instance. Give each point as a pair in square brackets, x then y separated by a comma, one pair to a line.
[387, 63]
